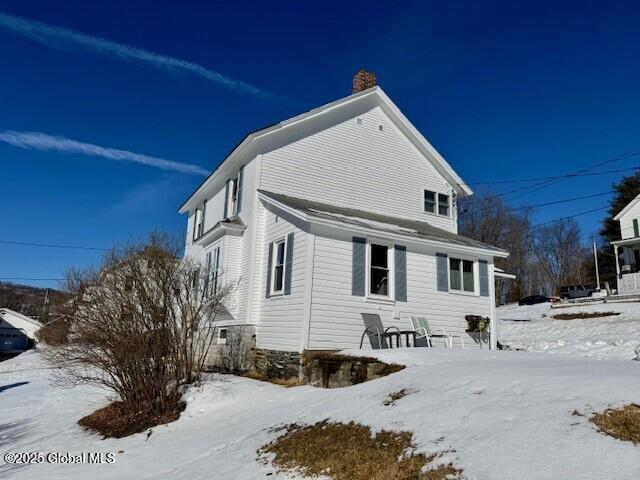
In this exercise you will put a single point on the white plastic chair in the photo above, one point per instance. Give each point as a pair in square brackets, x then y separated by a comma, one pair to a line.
[422, 328]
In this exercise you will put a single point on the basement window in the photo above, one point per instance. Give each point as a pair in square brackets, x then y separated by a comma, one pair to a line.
[222, 336]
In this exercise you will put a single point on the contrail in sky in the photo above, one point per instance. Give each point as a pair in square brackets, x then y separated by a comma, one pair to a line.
[52, 36]
[45, 142]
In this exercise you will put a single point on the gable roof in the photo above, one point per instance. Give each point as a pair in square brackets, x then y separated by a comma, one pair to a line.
[316, 211]
[629, 206]
[252, 143]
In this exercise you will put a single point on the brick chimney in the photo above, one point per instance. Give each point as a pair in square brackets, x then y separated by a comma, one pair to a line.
[363, 80]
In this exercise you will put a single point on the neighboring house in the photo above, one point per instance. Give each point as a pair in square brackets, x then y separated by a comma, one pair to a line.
[627, 250]
[17, 331]
[343, 210]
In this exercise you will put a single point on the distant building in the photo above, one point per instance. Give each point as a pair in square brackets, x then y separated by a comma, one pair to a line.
[17, 331]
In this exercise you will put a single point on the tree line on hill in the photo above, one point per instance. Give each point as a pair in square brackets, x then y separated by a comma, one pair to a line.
[546, 257]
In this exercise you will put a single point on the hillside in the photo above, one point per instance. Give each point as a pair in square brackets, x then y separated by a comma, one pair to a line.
[495, 415]
[29, 300]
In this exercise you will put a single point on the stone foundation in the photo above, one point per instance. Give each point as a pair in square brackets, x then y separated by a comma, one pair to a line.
[236, 355]
[277, 364]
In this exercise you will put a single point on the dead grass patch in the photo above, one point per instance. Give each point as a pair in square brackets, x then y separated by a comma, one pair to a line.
[115, 421]
[284, 382]
[583, 315]
[350, 452]
[395, 396]
[621, 423]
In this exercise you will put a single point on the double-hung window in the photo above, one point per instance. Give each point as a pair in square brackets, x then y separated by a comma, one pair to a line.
[461, 275]
[198, 221]
[379, 272]
[437, 203]
[215, 274]
[278, 261]
[222, 336]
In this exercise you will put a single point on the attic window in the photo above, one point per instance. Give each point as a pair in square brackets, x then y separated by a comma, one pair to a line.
[380, 128]
[359, 121]
[438, 203]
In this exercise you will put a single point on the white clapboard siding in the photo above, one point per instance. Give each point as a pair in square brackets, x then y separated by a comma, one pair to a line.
[282, 317]
[357, 165]
[626, 221]
[336, 322]
[236, 252]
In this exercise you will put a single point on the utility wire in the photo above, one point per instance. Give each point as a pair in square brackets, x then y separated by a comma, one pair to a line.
[51, 245]
[537, 179]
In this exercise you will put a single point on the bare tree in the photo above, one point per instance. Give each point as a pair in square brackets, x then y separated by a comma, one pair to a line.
[489, 219]
[560, 253]
[141, 325]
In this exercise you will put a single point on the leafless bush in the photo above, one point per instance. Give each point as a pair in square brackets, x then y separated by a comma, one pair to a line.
[54, 333]
[141, 324]
[236, 354]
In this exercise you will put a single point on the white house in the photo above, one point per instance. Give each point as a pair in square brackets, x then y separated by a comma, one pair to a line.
[627, 250]
[17, 331]
[343, 210]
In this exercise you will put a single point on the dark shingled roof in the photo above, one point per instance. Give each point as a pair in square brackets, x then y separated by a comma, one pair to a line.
[350, 216]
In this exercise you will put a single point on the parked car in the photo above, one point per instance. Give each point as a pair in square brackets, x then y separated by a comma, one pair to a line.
[575, 291]
[533, 299]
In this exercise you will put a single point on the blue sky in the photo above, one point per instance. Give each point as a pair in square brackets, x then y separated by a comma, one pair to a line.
[503, 91]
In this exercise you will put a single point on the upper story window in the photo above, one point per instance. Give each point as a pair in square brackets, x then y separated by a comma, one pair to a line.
[437, 203]
[461, 275]
[198, 221]
[233, 195]
[379, 271]
[277, 273]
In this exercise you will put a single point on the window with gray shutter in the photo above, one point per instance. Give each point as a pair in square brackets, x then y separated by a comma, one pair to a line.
[484, 277]
[226, 201]
[269, 260]
[358, 266]
[289, 264]
[441, 268]
[401, 273]
[239, 193]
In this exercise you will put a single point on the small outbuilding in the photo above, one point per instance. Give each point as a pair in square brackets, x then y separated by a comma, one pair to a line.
[17, 331]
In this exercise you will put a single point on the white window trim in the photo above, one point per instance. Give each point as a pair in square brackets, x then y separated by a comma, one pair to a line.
[220, 340]
[391, 264]
[476, 276]
[437, 204]
[274, 256]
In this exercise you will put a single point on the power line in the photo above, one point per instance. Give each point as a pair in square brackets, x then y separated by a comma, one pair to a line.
[32, 279]
[51, 245]
[554, 177]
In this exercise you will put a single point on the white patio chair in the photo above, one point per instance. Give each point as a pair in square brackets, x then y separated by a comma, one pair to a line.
[423, 330]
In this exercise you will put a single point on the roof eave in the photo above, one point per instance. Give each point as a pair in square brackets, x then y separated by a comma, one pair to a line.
[491, 252]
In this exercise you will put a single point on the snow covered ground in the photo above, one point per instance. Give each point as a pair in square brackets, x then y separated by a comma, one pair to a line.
[532, 328]
[497, 415]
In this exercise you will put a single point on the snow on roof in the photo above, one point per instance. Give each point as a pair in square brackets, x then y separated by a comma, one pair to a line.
[381, 223]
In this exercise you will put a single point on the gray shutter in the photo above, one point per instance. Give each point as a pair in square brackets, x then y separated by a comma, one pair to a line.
[401, 273]
[443, 276]
[239, 200]
[226, 200]
[358, 267]
[269, 261]
[636, 232]
[484, 278]
[288, 267]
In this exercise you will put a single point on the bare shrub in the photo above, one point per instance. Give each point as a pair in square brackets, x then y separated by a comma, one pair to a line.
[54, 333]
[236, 354]
[141, 324]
